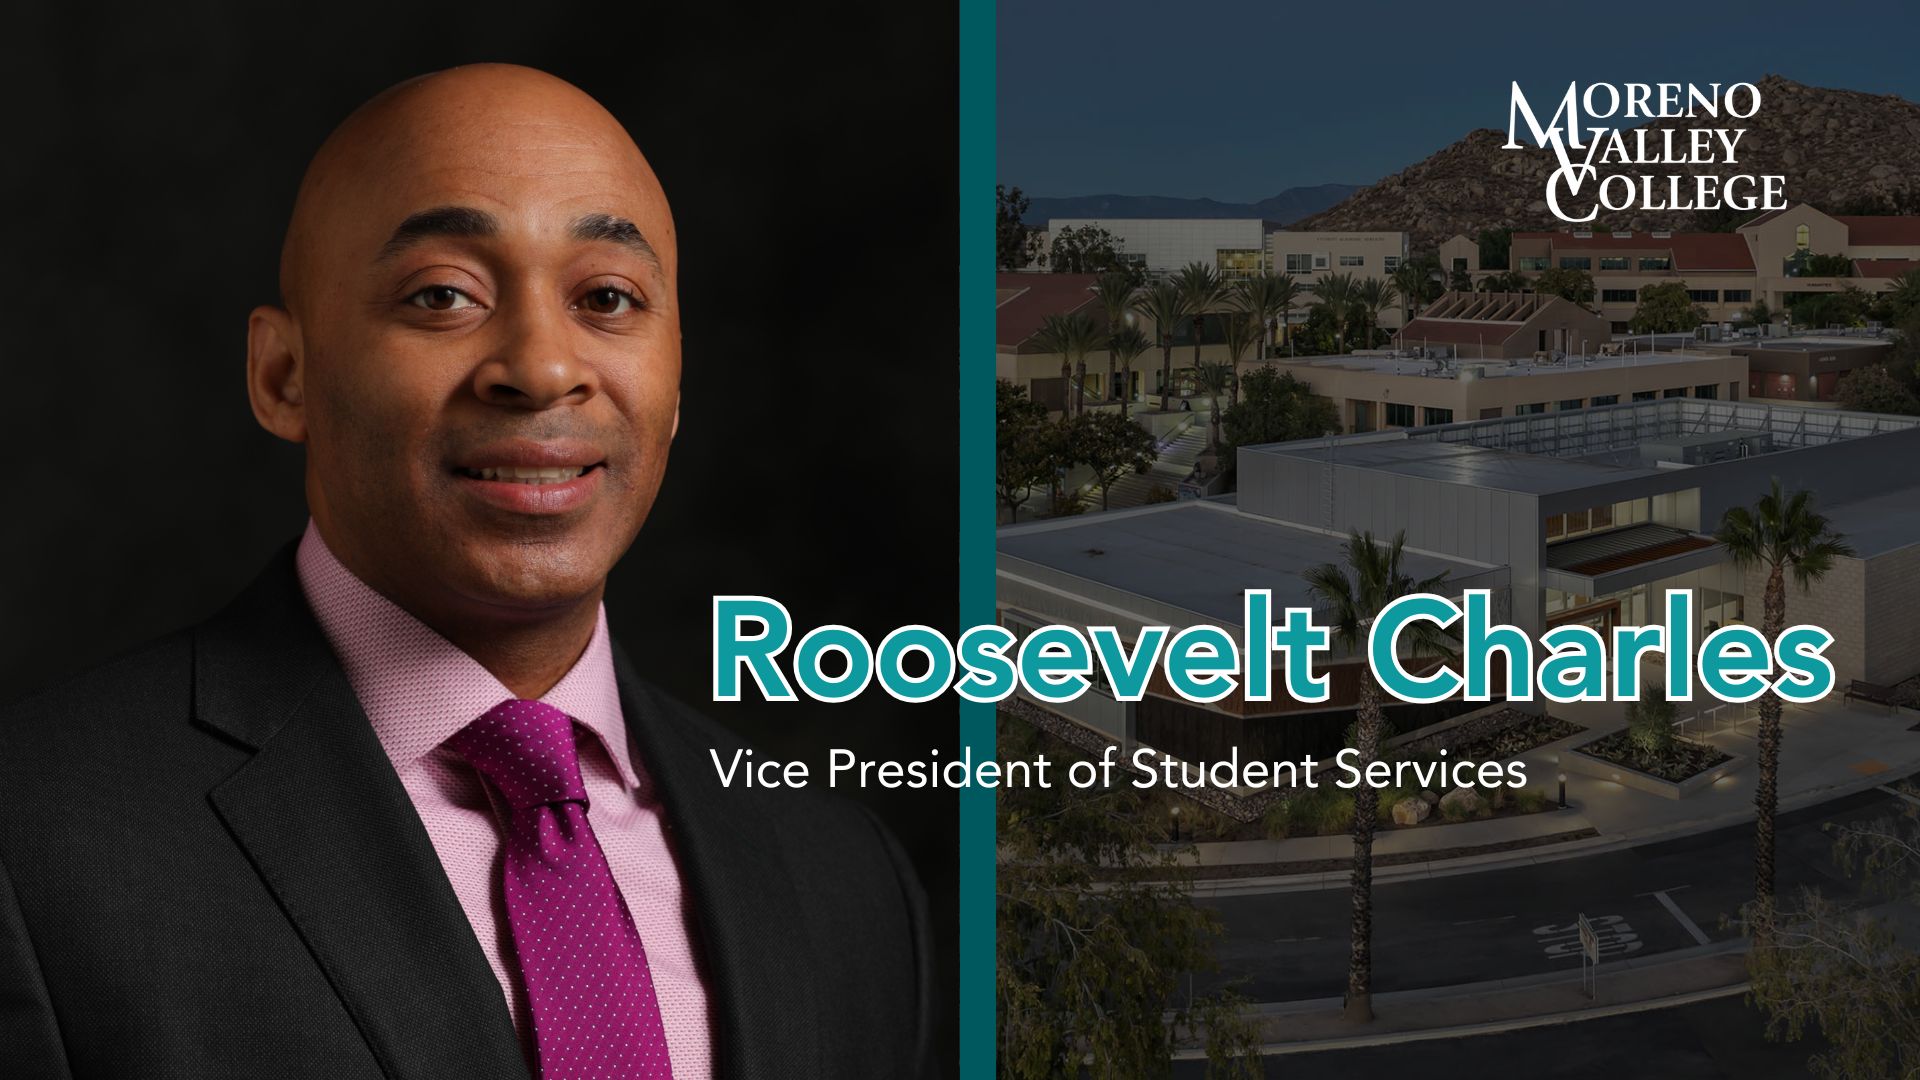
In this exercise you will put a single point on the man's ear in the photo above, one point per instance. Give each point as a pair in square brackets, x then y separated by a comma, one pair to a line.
[276, 373]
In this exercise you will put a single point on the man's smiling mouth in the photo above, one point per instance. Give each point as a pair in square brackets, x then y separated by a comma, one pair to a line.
[514, 474]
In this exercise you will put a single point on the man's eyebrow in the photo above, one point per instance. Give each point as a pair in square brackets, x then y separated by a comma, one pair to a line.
[615, 230]
[460, 221]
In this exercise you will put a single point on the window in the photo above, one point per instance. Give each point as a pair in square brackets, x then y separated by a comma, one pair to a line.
[1605, 399]
[1556, 526]
[1800, 237]
[1737, 296]
[1239, 262]
[1353, 260]
[1533, 262]
[1391, 262]
[1399, 415]
[1530, 409]
[1439, 416]
[1615, 262]
[1299, 264]
[1602, 516]
[1704, 296]
[1643, 395]
[1619, 296]
[1655, 262]
[1676, 391]
[1576, 262]
[1709, 392]
[1490, 414]
[1460, 263]
[1571, 403]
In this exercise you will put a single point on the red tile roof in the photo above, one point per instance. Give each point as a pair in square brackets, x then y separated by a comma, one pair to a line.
[1881, 231]
[1034, 297]
[1884, 268]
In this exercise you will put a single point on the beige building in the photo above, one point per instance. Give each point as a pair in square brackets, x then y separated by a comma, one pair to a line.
[1310, 256]
[1504, 326]
[1718, 268]
[1459, 254]
[1377, 392]
[1882, 248]
[1023, 302]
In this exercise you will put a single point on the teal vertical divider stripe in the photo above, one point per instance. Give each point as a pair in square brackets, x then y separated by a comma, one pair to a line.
[976, 521]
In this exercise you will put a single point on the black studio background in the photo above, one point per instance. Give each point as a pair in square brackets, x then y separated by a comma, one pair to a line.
[810, 157]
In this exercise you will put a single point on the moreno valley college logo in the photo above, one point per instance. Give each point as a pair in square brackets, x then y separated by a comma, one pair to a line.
[1607, 127]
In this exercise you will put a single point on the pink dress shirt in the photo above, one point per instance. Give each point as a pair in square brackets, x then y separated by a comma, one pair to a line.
[417, 688]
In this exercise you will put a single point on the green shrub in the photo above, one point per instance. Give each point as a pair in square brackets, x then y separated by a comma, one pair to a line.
[1650, 723]
[1319, 811]
[1529, 801]
[1276, 822]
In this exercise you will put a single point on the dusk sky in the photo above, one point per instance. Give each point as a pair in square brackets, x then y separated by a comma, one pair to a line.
[1240, 99]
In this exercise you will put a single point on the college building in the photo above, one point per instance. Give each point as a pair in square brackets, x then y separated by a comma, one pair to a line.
[1577, 516]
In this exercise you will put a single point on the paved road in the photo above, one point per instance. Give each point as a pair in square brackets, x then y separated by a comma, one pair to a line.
[1719, 1038]
[1505, 923]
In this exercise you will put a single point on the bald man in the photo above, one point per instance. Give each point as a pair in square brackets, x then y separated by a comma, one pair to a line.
[403, 809]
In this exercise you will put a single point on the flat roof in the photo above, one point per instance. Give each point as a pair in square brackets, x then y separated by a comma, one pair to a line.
[1813, 344]
[1494, 369]
[1878, 524]
[1195, 555]
[1460, 463]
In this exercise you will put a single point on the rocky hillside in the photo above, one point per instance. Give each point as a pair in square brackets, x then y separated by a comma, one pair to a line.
[1841, 150]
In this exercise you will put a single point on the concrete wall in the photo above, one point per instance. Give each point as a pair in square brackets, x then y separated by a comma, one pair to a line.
[1892, 597]
[1838, 603]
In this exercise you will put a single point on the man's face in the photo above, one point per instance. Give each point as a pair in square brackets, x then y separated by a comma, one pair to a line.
[490, 349]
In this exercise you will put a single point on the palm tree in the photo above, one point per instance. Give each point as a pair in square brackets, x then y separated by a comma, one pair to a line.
[1125, 346]
[1904, 297]
[1780, 534]
[1410, 279]
[1373, 296]
[1243, 331]
[1200, 286]
[1336, 293]
[1213, 379]
[1115, 290]
[1353, 596]
[1268, 296]
[1163, 303]
[1073, 336]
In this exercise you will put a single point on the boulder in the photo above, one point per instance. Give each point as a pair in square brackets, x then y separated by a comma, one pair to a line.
[1431, 798]
[1411, 811]
[1463, 802]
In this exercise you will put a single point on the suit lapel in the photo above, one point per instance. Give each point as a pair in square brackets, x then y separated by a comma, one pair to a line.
[753, 942]
[330, 829]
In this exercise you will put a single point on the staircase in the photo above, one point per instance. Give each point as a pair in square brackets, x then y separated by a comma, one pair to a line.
[1178, 451]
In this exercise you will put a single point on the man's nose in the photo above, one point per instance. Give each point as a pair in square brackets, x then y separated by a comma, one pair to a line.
[536, 365]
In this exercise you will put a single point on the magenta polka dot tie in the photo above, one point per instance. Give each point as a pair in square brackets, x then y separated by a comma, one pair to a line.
[594, 1012]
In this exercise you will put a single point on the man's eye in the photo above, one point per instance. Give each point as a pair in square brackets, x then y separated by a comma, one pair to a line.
[441, 298]
[610, 301]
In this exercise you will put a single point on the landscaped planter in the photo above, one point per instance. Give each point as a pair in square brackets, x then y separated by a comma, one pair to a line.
[1574, 761]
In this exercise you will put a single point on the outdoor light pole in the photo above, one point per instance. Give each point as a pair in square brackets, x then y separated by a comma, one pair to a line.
[1174, 813]
[1563, 791]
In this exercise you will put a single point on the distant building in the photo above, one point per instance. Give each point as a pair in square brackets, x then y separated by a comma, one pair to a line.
[1311, 256]
[1718, 268]
[1160, 246]
[1505, 326]
[1808, 368]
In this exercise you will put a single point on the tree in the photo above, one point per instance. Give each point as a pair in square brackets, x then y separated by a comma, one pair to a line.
[1495, 244]
[1011, 234]
[1242, 331]
[1088, 249]
[1276, 407]
[1817, 265]
[1096, 927]
[1781, 534]
[1370, 298]
[1650, 723]
[1506, 281]
[1125, 346]
[1844, 308]
[1023, 460]
[1112, 446]
[1874, 389]
[1268, 297]
[1115, 289]
[1163, 302]
[1335, 294]
[1666, 309]
[1212, 379]
[1354, 594]
[1202, 291]
[1845, 970]
[1574, 285]
[1460, 281]
[1410, 281]
[1073, 336]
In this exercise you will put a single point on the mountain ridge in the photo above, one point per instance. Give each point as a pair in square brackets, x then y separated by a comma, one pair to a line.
[1288, 206]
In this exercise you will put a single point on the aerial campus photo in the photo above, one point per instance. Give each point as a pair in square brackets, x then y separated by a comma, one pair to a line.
[1449, 307]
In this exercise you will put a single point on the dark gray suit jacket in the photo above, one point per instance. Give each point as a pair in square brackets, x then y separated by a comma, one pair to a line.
[208, 869]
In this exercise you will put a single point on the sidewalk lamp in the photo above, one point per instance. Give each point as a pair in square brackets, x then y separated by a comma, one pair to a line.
[1563, 791]
[1175, 814]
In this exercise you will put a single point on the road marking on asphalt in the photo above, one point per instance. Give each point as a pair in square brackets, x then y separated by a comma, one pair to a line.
[1496, 918]
[1699, 936]
[1615, 935]
[1898, 794]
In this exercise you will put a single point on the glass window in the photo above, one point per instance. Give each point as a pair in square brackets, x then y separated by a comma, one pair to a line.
[1615, 262]
[1576, 522]
[1643, 395]
[1299, 264]
[1556, 526]
[1576, 262]
[1399, 415]
[1353, 260]
[1800, 237]
[1619, 296]
[1655, 262]
[1602, 517]
[1530, 409]
[1605, 399]
[1676, 391]
[1460, 263]
[1737, 296]
[1710, 392]
[1533, 262]
[1391, 262]
[1571, 403]
[1439, 416]
[1239, 262]
[1704, 296]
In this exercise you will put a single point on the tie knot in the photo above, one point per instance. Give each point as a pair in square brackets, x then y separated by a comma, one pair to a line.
[526, 749]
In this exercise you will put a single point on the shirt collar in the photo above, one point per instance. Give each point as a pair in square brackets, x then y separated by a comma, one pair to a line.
[418, 688]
